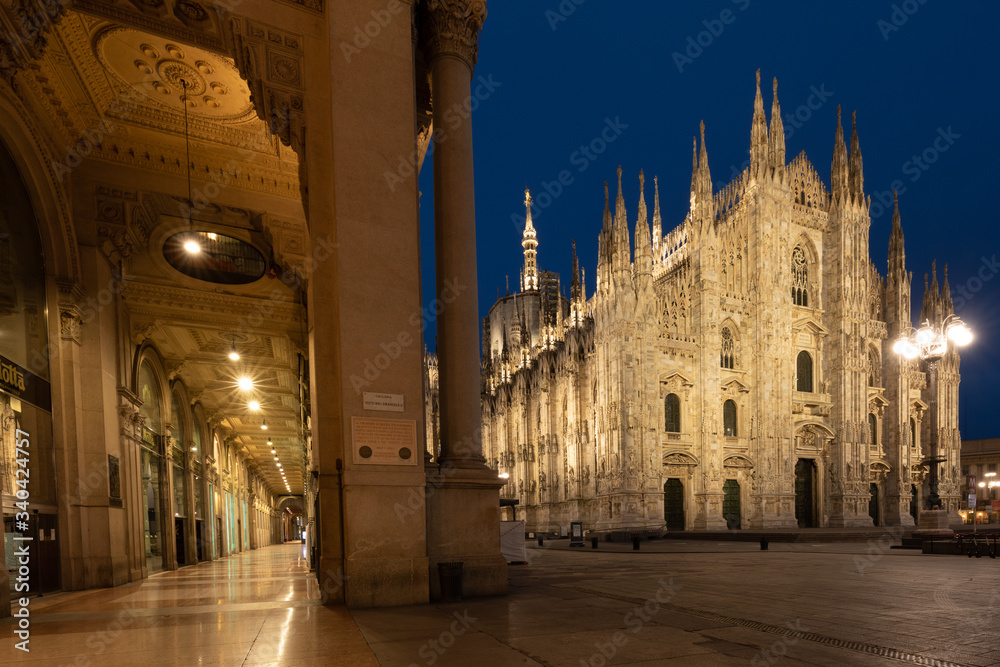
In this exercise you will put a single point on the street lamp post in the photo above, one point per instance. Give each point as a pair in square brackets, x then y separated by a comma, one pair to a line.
[930, 344]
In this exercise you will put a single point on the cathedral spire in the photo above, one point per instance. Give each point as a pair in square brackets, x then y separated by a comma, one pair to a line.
[856, 178]
[575, 292]
[529, 242]
[705, 177]
[838, 169]
[574, 286]
[622, 246]
[694, 167]
[657, 220]
[932, 294]
[897, 252]
[776, 135]
[758, 133]
[947, 306]
[643, 245]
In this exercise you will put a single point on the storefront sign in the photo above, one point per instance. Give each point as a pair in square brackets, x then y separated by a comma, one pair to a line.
[25, 385]
[996, 505]
[385, 441]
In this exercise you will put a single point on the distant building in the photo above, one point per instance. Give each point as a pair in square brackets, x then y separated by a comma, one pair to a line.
[981, 459]
[734, 372]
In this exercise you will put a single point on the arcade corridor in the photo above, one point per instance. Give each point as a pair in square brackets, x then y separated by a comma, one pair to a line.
[257, 608]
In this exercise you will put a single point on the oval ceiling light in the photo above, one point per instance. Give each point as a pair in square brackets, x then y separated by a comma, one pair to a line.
[254, 405]
[245, 383]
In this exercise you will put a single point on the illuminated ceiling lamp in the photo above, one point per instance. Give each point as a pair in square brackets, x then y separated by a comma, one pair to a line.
[263, 424]
[233, 354]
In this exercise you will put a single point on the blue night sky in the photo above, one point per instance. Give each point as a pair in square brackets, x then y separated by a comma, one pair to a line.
[921, 76]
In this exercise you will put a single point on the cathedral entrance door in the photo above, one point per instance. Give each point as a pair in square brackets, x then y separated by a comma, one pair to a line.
[673, 504]
[873, 503]
[731, 504]
[804, 473]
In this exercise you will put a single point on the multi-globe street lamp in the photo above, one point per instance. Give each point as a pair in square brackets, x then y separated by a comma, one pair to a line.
[929, 343]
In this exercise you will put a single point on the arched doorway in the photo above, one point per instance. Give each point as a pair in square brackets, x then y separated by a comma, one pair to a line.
[148, 389]
[26, 440]
[673, 504]
[873, 503]
[805, 474]
[731, 504]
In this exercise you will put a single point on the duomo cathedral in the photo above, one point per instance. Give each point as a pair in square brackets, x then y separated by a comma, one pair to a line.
[734, 372]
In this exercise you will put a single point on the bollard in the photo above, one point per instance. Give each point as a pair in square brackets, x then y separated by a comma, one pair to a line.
[635, 543]
[763, 543]
[593, 543]
[541, 542]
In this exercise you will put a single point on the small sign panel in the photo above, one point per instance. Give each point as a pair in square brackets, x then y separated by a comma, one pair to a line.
[995, 504]
[383, 402]
[385, 441]
[972, 501]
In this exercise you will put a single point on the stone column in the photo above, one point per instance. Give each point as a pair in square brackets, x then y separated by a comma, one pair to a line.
[190, 526]
[463, 501]
[451, 33]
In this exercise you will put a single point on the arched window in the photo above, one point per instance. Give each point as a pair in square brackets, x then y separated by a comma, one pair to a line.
[804, 372]
[913, 432]
[729, 418]
[672, 413]
[874, 369]
[800, 277]
[873, 428]
[728, 353]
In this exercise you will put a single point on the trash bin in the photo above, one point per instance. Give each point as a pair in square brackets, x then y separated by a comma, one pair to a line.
[450, 575]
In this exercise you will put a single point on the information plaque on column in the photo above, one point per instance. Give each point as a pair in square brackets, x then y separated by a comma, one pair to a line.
[384, 441]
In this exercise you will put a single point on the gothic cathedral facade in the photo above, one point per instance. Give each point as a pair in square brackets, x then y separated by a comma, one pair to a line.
[735, 372]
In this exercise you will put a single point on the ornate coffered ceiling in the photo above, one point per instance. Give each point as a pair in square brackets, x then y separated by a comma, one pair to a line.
[159, 69]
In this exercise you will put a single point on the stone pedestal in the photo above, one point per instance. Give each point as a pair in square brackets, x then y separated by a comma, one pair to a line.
[463, 525]
[934, 522]
[709, 515]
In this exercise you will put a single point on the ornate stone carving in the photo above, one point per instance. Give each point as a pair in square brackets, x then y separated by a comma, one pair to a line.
[23, 28]
[270, 60]
[452, 27]
[70, 321]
